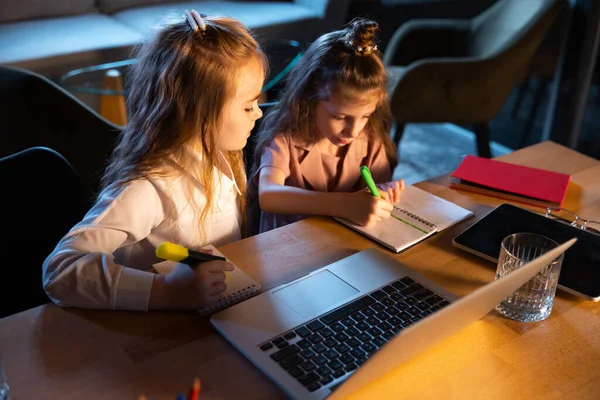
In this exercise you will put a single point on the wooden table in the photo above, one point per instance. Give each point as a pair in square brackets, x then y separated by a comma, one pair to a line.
[54, 353]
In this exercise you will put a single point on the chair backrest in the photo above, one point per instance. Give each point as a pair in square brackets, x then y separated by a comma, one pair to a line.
[511, 46]
[43, 198]
[473, 89]
[35, 111]
[505, 23]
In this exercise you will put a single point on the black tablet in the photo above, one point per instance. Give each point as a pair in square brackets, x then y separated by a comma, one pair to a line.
[580, 273]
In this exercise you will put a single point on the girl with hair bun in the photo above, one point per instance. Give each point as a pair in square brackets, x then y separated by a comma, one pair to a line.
[331, 118]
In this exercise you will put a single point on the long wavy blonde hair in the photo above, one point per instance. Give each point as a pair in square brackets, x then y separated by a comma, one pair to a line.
[178, 90]
[345, 62]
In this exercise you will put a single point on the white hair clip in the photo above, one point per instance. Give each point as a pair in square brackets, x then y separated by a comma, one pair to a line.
[188, 16]
[195, 21]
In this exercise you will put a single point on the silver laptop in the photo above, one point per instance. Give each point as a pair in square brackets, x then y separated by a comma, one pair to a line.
[331, 332]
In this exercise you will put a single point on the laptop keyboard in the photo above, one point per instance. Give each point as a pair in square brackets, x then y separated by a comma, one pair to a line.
[334, 345]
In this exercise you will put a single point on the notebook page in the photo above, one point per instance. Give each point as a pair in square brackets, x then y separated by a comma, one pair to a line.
[418, 215]
[397, 232]
[440, 212]
[400, 231]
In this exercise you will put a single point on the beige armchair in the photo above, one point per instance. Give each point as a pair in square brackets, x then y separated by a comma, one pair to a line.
[462, 71]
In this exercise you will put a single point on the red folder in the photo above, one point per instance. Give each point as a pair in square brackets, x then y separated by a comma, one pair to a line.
[527, 185]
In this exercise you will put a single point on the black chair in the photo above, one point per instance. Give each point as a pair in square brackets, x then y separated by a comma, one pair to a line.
[35, 111]
[42, 199]
[462, 70]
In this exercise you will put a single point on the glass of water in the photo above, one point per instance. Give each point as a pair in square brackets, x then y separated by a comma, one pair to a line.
[532, 301]
[4, 389]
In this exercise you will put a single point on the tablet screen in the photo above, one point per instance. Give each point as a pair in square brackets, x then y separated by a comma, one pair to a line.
[580, 273]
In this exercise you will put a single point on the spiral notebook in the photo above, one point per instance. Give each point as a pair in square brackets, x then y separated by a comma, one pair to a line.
[239, 285]
[418, 215]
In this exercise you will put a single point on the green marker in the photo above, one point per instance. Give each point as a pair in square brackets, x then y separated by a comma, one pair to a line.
[366, 174]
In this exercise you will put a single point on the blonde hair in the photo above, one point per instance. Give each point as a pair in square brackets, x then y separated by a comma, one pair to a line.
[178, 90]
[345, 62]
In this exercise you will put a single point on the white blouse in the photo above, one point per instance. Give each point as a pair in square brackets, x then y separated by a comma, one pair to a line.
[104, 261]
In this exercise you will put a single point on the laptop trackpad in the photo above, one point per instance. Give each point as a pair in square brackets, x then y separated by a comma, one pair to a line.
[316, 294]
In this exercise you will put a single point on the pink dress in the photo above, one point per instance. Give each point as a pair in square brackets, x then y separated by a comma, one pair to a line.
[305, 167]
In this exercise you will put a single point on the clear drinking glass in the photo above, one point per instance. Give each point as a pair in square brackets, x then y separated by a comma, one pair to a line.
[4, 389]
[532, 301]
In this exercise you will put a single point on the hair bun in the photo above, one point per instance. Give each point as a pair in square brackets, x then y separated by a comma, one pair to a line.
[362, 35]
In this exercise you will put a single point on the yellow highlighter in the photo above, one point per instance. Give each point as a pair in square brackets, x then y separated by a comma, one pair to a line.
[177, 253]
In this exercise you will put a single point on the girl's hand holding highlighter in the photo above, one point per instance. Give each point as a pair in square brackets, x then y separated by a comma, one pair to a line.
[197, 280]
[190, 288]
[378, 204]
[365, 209]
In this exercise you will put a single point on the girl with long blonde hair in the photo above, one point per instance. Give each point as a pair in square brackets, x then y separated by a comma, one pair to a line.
[176, 174]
